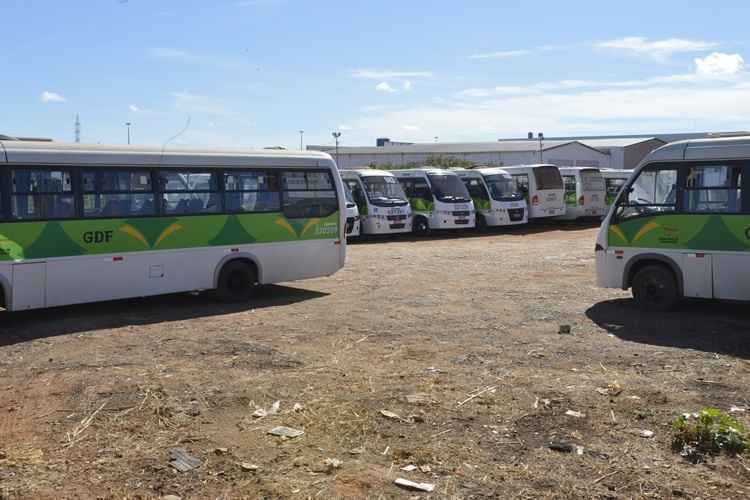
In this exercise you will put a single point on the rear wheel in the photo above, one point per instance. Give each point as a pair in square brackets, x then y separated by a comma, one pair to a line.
[655, 289]
[421, 226]
[238, 282]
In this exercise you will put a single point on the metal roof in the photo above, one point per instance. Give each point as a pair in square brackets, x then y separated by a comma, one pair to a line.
[452, 148]
[622, 142]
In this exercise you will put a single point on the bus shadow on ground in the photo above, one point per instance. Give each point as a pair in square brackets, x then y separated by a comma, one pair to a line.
[19, 327]
[714, 327]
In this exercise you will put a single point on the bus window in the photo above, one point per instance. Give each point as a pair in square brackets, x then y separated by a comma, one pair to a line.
[613, 187]
[251, 191]
[189, 192]
[653, 192]
[308, 194]
[522, 184]
[41, 194]
[571, 196]
[357, 195]
[547, 177]
[117, 193]
[476, 189]
[417, 188]
[713, 188]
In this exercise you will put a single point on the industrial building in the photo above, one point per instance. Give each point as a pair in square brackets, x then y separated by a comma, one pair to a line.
[570, 153]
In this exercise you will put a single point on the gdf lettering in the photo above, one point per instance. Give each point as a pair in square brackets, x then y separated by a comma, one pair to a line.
[97, 237]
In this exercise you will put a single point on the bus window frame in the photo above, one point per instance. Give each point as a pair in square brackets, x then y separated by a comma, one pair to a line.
[81, 193]
[283, 190]
[266, 171]
[744, 206]
[74, 192]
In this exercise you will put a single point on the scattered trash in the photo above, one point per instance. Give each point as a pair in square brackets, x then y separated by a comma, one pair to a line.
[182, 461]
[737, 409]
[248, 467]
[357, 451]
[409, 468]
[332, 463]
[425, 469]
[392, 416]
[634, 398]
[476, 394]
[564, 330]
[286, 432]
[221, 451]
[564, 447]
[434, 371]
[419, 398]
[3, 455]
[647, 434]
[297, 408]
[411, 485]
[171, 497]
[260, 412]
[576, 414]
[613, 389]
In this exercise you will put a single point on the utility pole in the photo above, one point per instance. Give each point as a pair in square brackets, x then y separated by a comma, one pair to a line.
[541, 149]
[77, 129]
[128, 124]
[336, 136]
[301, 135]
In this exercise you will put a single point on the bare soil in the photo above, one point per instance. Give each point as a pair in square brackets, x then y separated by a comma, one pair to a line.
[94, 397]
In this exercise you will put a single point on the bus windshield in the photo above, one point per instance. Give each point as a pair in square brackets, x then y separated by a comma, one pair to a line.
[449, 188]
[384, 191]
[349, 197]
[502, 187]
[547, 177]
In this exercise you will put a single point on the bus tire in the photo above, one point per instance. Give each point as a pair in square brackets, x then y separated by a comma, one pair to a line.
[238, 282]
[421, 226]
[655, 289]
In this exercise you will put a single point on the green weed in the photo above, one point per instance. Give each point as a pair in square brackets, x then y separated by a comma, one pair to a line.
[710, 433]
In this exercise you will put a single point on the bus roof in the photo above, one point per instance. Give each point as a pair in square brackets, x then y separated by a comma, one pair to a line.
[579, 169]
[528, 167]
[420, 171]
[366, 172]
[51, 153]
[723, 148]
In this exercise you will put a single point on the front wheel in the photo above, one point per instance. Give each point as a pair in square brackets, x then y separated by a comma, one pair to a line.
[421, 226]
[238, 282]
[655, 289]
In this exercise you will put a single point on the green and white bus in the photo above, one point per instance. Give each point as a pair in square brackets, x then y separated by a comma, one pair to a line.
[681, 226]
[83, 223]
[438, 199]
[495, 195]
[352, 214]
[381, 201]
[614, 180]
[585, 193]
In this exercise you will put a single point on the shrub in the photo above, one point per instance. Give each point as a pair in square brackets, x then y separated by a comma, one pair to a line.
[711, 432]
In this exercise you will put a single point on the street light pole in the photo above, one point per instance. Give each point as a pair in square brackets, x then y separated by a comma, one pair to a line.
[541, 138]
[301, 135]
[127, 124]
[336, 136]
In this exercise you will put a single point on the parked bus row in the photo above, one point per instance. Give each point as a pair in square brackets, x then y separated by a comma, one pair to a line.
[421, 200]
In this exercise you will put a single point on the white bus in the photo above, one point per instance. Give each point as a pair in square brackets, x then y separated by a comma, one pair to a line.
[84, 223]
[352, 214]
[382, 204]
[438, 199]
[681, 226]
[496, 199]
[542, 187]
[585, 193]
[614, 180]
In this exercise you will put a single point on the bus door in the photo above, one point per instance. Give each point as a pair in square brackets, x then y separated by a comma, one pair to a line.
[29, 285]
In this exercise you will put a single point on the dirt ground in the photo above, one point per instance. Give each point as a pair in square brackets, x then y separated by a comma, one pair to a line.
[93, 398]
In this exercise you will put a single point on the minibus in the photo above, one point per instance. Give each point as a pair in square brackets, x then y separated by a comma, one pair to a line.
[496, 199]
[352, 214]
[614, 179]
[680, 227]
[585, 193]
[381, 201]
[542, 187]
[438, 198]
[85, 223]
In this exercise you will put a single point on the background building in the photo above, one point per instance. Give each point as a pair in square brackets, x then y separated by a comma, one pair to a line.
[570, 153]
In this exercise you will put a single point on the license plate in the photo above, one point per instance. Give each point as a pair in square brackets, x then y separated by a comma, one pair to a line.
[461, 221]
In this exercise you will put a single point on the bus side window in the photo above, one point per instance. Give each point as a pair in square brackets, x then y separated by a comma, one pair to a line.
[476, 189]
[422, 190]
[357, 194]
[522, 184]
[653, 192]
[713, 188]
[308, 194]
[42, 194]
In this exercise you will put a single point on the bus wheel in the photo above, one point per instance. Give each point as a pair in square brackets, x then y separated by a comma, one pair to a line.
[655, 289]
[421, 226]
[238, 282]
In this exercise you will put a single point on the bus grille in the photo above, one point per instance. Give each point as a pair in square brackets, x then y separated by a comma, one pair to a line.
[461, 214]
[515, 214]
[396, 217]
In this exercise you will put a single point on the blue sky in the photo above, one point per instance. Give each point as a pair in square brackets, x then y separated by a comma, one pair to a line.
[255, 72]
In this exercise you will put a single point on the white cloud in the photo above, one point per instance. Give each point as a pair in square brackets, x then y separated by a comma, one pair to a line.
[134, 108]
[380, 74]
[719, 65]
[411, 128]
[385, 87]
[660, 50]
[407, 86]
[47, 97]
[502, 54]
